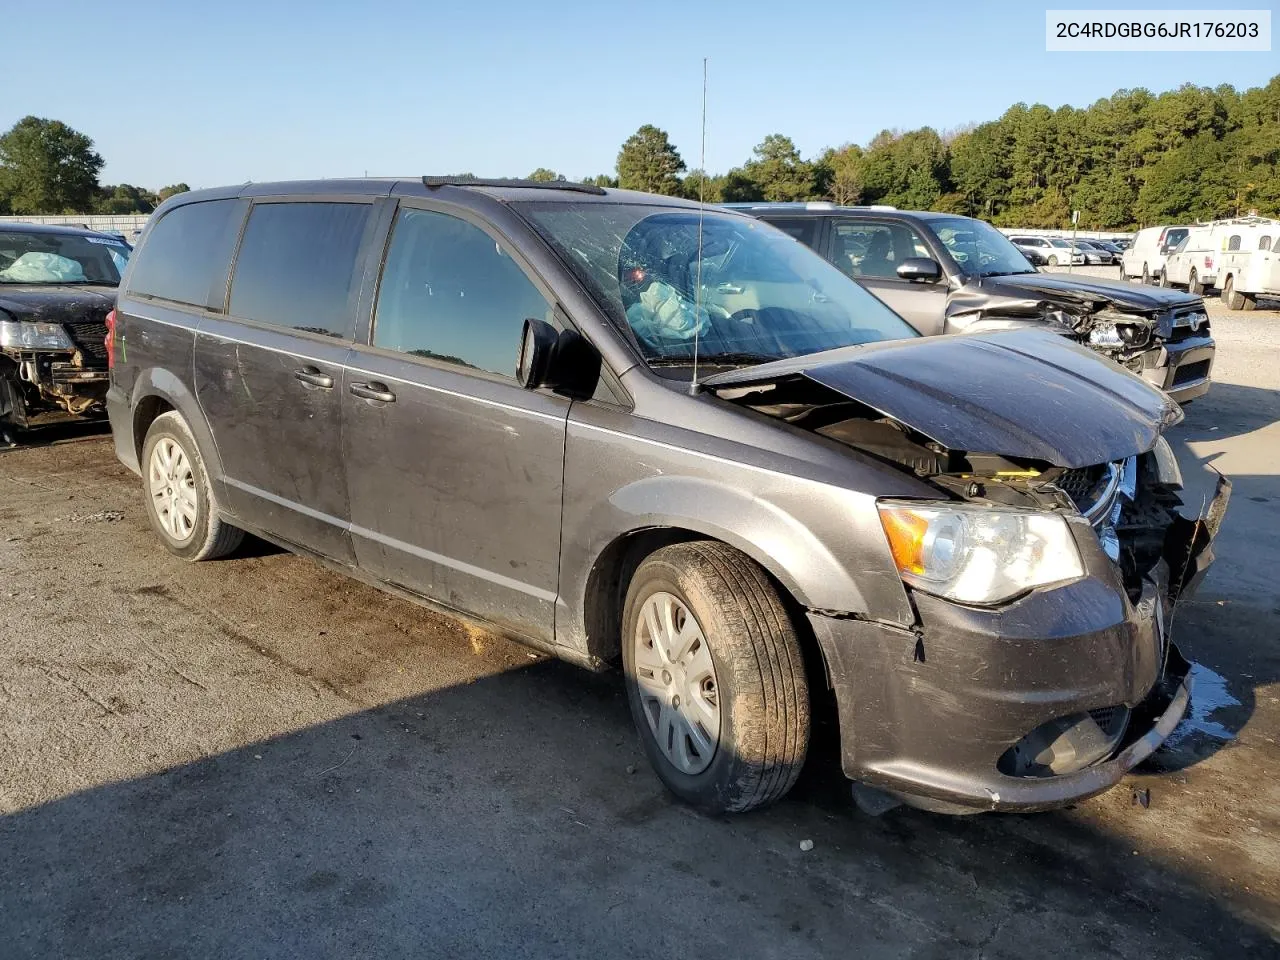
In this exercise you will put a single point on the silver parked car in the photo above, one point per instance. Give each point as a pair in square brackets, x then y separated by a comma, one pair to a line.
[622, 428]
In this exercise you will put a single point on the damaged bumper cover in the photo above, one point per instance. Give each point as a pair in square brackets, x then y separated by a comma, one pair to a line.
[1031, 706]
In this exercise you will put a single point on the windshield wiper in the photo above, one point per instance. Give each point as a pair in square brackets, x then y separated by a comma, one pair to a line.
[1005, 273]
[715, 359]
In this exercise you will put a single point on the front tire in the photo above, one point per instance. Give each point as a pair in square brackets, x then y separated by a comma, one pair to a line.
[1146, 276]
[1053, 260]
[179, 499]
[1164, 279]
[715, 677]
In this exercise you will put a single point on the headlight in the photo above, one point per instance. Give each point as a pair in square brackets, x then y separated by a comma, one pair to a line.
[975, 554]
[20, 335]
[1115, 329]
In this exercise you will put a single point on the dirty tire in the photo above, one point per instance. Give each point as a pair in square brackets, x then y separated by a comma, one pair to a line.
[1233, 300]
[211, 537]
[1250, 302]
[1053, 260]
[1193, 283]
[760, 675]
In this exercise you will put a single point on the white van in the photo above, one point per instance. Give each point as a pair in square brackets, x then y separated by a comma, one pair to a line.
[1250, 265]
[1192, 263]
[1151, 246]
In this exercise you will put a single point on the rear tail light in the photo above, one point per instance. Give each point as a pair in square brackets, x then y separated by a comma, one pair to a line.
[110, 340]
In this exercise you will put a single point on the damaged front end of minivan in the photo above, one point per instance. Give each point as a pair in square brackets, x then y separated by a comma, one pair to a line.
[1043, 578]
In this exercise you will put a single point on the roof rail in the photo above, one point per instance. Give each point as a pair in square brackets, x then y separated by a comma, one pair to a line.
[432, 183]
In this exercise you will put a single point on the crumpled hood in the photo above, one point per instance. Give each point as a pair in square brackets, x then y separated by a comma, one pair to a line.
[1028, 394]
[56, 303]
[1124, 296]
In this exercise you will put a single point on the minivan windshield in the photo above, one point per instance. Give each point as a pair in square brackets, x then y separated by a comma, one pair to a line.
[755, 294]
[40, 257]
[979, 249]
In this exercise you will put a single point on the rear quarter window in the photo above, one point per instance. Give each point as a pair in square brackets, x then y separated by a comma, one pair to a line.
[186, 252]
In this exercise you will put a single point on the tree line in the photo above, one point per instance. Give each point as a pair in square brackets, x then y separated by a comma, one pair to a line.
[46, 167]
[1134, 158]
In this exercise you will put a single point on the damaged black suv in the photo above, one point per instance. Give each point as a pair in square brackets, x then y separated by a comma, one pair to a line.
[945, 273]
[57, 285]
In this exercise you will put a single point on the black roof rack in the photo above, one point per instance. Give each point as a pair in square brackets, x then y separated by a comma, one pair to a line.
[432, 182]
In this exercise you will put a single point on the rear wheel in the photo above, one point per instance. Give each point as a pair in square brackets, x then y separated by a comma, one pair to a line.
[1164, 279]
[180, 502]
[1146, 274]
[715, 677]
[1193, 283]
[1233, 300]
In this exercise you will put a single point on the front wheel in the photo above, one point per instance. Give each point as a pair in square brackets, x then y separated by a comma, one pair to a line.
[715, 677]
[1164, 279]
[1053, 260]
[180, 502]
[1146, 275]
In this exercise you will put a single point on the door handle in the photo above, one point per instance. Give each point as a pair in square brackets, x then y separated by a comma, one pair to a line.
[314, 377]
[373, 391]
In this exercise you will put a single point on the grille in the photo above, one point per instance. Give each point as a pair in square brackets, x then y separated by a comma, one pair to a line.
[90, 336]
[1079, 483]
[1183, 317]
[1110, 720]
[1191, 371]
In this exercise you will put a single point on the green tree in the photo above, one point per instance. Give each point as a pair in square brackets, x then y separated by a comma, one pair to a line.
[47, 167]
[649, 162]
[601, 180]
[697, 185]
[840, 173]
[543, 175]
[125, 198]
[173, 190]
[778, 170]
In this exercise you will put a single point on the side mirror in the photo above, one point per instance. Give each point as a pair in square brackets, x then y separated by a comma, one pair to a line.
[537, 347]
[920, 268]
[563, 360]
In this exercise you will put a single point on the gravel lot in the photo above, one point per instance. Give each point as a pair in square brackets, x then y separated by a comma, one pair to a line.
[258, 758]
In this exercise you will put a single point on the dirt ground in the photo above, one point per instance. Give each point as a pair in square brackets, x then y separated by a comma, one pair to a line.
[258, 758]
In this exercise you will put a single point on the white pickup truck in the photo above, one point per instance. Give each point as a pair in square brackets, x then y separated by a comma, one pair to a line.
[1192, 263]
[1249, 267]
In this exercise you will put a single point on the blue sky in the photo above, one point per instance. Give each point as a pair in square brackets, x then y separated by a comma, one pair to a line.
[232, 91]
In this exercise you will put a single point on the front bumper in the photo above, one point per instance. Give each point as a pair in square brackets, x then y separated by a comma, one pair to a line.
[928, 714]
[1181, 369]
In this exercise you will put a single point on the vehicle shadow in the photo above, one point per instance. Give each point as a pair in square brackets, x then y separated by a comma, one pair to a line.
[1230, 626]
[508, 817]
[68, 432]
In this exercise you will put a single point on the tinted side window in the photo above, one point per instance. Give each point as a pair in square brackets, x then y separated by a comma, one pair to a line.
[869, 248]
[184, 250]
[451, 293]
[297, 266]
[805, 230]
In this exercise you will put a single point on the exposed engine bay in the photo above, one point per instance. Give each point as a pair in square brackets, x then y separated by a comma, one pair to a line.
[1132, 503]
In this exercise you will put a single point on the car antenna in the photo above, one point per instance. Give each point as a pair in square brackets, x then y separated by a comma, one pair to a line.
[694, 388]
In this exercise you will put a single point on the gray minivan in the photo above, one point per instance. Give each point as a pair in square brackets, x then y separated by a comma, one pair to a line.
[626, 428]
